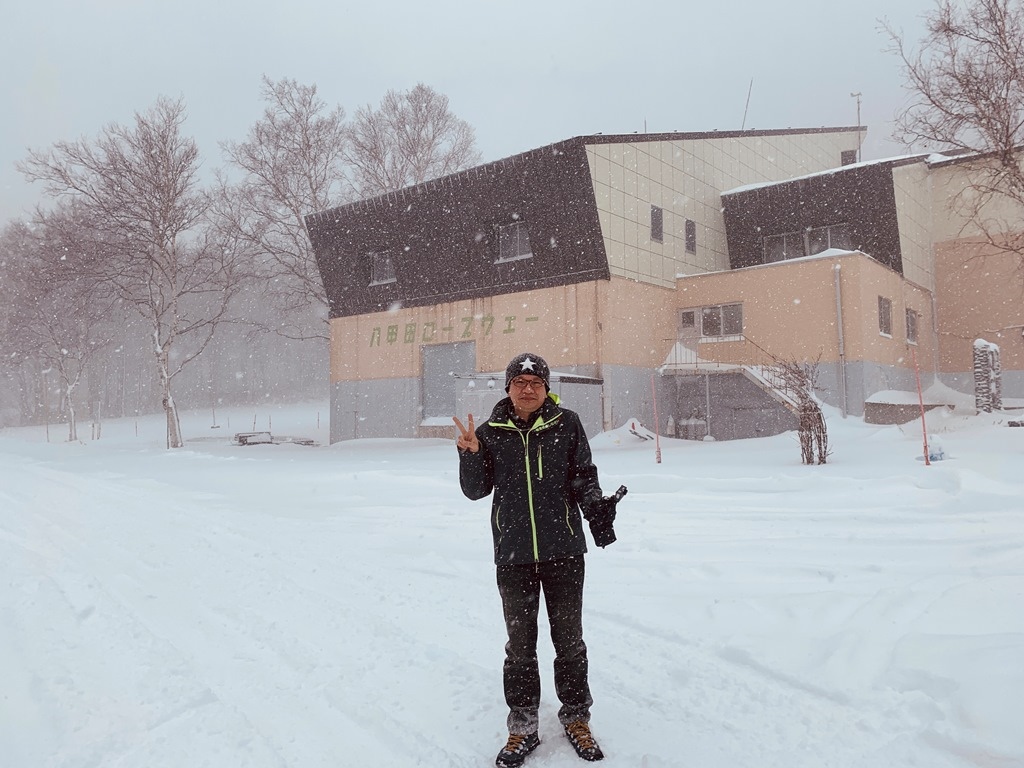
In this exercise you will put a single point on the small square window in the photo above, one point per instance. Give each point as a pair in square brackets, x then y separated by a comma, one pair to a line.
[817, 240]
[839, 237]
[884, 316]
[774, 248]
[657, 224]
[711, 321]
[782, 247]
[691, 236]
[513, 242]
[687, 319]
[732, 319]
[382, 269]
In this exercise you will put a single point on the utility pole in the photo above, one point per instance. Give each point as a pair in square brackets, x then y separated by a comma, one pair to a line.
[857, 96]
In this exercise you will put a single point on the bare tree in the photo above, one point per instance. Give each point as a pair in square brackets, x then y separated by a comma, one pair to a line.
[16, 362]
[139, 184]
[411, 138]
[966, 82]
[62, 315]
[292, 164]
[798, 380]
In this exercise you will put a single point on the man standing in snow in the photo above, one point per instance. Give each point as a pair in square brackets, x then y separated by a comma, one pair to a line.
[534, 455]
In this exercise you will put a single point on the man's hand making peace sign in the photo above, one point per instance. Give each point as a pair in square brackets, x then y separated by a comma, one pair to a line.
[467, 436]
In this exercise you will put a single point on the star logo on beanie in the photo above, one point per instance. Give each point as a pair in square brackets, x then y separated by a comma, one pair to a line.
[528, 364]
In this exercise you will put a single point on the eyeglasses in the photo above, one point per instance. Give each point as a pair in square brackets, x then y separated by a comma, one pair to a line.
[520, 383]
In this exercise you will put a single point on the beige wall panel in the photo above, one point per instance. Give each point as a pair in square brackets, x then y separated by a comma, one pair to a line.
[789, 312]
[980, 295]
[789, 309]
[643, 162]
[686, 179]
[558, 323]
[864, 339]
[637, 324]
[912, 189]
[631, 262]
[952, 206]
[633, 235]
[629, 153]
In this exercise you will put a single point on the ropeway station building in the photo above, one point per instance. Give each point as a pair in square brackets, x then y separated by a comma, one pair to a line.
[665, 270]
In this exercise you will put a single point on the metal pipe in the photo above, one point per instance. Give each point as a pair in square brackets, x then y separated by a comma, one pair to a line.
[843, 404]
[707, 404]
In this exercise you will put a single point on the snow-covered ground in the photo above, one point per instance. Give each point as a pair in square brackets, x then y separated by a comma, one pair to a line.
[284, 605]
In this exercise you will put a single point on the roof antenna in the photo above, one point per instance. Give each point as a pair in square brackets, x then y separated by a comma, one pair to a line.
[856, 95]
[749, 90]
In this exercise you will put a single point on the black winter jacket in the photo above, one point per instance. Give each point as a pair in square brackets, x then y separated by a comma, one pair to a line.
[540, 476]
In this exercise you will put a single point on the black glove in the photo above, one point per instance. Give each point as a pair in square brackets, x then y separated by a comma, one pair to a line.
[601, 517]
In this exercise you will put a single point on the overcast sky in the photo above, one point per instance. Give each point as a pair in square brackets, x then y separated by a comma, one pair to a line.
[523, 74]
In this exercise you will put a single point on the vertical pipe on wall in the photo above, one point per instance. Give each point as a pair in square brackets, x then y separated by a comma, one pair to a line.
[707, 404]
[920, 401]
[843, 405]
[657, 431]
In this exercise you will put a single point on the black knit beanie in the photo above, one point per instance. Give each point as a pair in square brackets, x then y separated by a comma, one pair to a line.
[528, 363]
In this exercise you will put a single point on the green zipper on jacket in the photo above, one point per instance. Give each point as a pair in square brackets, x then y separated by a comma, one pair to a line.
[538, 425]
[529, 493]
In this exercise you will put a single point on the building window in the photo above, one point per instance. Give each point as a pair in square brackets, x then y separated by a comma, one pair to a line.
[657, 224]
[885, 316]
[382, 269]
[793, 245]
[722, 320]
[822, 238]
[782, 247]
[687, 320]
[691, 236]
[513, 242]
[912, 323]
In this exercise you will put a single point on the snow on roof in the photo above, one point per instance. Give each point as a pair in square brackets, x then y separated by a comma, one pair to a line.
[840, 169]
[828, 253]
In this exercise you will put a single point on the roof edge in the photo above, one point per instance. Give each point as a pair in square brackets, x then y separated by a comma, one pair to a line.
[586, 139]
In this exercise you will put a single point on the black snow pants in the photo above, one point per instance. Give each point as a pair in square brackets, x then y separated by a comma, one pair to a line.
[520, 587]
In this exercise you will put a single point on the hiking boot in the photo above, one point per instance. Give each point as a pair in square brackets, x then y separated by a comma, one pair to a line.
[582, 741]
[515, 751]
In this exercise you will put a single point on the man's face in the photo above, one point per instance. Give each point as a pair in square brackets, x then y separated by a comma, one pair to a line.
[527, 392]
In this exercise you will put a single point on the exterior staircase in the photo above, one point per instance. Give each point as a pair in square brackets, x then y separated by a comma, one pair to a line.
[733, 354]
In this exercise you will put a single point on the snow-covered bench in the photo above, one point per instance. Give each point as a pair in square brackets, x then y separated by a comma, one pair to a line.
[253, 438]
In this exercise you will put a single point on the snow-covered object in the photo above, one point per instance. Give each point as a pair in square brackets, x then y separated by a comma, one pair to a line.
[987, 376]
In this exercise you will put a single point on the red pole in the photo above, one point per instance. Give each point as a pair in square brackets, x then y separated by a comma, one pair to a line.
[920, 400]
[657, 442]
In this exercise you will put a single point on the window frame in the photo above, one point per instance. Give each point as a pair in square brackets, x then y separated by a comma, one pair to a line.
[690, 239]
[657, 224]
[382, 268]
[797, 244]
[912, 324]
[885, 316]
[504, 233]
[729, 327]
